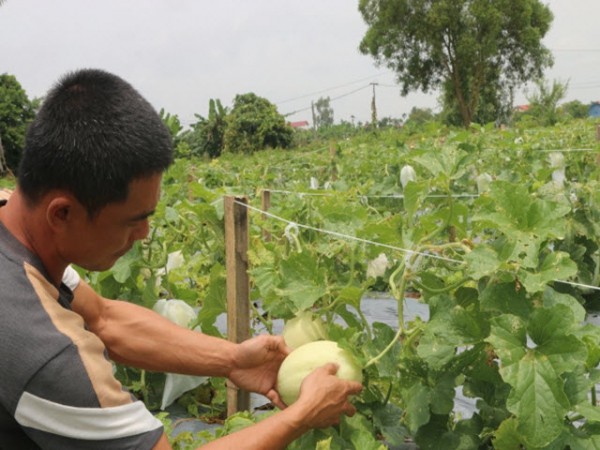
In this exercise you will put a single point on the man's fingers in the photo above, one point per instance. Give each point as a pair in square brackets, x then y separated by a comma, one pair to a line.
[355, 388]
[350, 410]
[331, 368]
[275, 399]
[277, 343]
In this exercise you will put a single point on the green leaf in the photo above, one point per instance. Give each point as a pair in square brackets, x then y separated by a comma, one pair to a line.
[266, 279]
[359, 431]
[436, 436]
[325, 444]
[577, 385]
[215, 302]
[445, 162]
[556, 266]
[451, 325]
[526, 222]
[302, 280]
[351, 295]
[341, 217]
[383, 336]
[507, 437]
[482, 261]
[417, 406]
[537, 399]
[414, 195]
[588, 411]
[509, 338]
[438, 344]
[505, 298]
[387, 418]
[589, 334]
[171, 214]
[550, 329]
[239, 421]
[551, 297]
[122, 268]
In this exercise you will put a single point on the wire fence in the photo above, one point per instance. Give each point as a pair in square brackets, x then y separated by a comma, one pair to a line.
[382, 245]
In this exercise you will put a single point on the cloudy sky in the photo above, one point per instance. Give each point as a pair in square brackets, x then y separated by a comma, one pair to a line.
[181, 53]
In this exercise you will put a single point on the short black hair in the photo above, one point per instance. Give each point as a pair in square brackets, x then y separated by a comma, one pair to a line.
[93, 135]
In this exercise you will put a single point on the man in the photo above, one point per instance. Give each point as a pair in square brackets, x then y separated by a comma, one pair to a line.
[89, 179]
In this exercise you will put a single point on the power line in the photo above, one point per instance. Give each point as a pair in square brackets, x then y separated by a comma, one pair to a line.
[330, 100]
[330, 89]
[593, 50]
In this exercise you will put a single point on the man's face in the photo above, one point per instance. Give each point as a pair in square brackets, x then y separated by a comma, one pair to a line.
[96, 244]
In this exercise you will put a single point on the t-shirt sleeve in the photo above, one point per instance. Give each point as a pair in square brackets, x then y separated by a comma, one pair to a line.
[71, 278]
[58, 410]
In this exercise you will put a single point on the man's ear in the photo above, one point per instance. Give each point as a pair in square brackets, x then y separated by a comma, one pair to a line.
[59, 212]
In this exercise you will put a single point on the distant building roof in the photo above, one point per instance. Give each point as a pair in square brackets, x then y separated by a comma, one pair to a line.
[300, 124]
[522, 108]
[594, 110]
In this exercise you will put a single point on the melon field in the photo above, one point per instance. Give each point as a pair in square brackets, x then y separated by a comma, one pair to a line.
[495, 232]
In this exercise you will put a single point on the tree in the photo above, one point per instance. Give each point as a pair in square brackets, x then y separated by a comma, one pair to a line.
[575, 109]
[255, 124]
[16, 112]
[460, 46]
[211, 131]
[543, 103]
[206, 136]
[324, 116]
[420, 115]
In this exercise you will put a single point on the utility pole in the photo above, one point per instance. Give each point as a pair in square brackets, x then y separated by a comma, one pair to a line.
[312, 106]
[1, 157]
[373, 109]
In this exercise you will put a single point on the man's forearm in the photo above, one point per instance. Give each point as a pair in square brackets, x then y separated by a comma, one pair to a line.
[272, 433]
[139, 337]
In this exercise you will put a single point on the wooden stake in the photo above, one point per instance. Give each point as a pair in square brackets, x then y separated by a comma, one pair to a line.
[332, 155]
[238, 287]
[597, 140]
[266, 204]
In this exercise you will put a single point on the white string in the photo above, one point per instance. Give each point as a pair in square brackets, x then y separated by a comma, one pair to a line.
[596, 288]
[315, 194]
[566, 150]
[344, 236]
[379, 244]
[291, 228]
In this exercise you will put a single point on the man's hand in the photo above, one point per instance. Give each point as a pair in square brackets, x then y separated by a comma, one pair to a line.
[324, 397]
[256, 363]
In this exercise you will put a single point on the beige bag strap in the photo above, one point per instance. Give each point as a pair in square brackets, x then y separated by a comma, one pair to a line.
[5, 193]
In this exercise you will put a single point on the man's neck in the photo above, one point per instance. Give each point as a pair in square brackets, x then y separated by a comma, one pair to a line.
[26, 224]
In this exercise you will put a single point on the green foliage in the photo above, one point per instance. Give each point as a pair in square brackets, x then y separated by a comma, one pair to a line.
[575, 109]
[8, 181]
[503, 288]
[543, 103]
[472, 49]
[206, 137]
[418, 117]
[324, 114]
[16, 112]
[254, 124]
[181, 149]
[172, 123]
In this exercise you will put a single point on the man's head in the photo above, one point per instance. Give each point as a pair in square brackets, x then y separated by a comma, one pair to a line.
[92, 137]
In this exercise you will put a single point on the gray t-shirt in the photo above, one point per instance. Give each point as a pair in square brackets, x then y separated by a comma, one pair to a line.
[57, 389]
